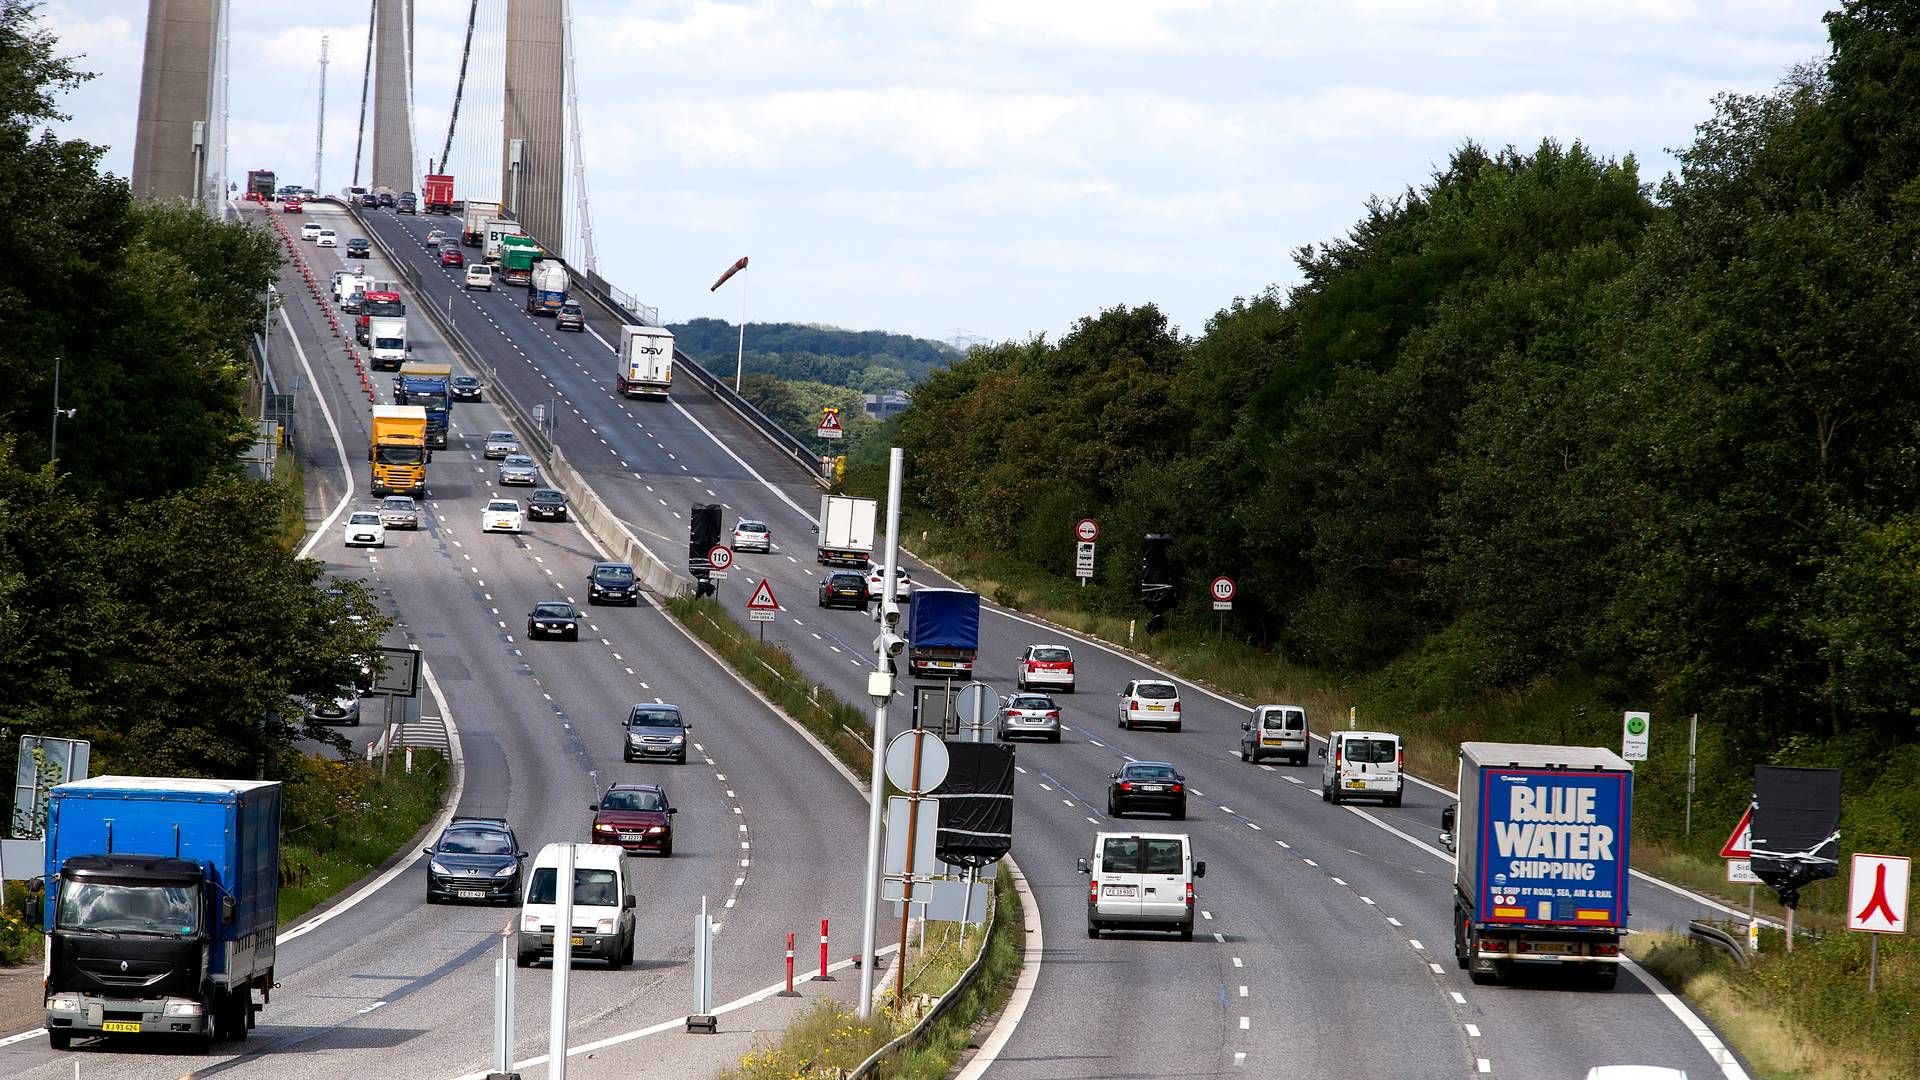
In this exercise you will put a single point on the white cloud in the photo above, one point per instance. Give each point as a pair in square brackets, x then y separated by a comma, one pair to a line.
[1106, 24]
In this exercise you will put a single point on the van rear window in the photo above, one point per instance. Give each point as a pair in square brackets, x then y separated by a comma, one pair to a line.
[1285, 720]
[1120, 855]
[1371, 751]
[1165, 856]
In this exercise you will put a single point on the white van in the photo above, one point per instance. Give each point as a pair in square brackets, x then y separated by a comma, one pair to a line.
[1277, 730]
[1365, 764]
[603, 908]
[1142, 880]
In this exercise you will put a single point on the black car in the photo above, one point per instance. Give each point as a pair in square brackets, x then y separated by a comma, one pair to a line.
[554, 618]
[844, 589]
[475, 859]
[406, 204]
[613, 583]
[358, 247]
[547, 504]
[657, 733]
[386, 198]
[1148, 786]
[369, 199]
[466, 388]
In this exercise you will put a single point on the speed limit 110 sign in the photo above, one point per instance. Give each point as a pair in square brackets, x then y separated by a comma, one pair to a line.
[1223, 592]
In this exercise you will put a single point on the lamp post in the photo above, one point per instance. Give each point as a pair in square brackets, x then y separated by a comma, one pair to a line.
[53, 441]
[740, 354]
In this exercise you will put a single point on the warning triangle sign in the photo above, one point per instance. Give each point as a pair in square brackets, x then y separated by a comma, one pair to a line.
[762, 599]
[830, 420]
[1740, 844]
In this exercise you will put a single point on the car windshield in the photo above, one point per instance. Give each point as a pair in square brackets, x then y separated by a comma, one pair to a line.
[465, 380]
[1052, 656]
[476, 842]
[135, 909]
[507, 505]
[388, 309]
[553, 611]
[1030, 701]
[399, 455]
[1164, 856]
[389, 343]
[1120, 855]
[367, 518]
[1370, 751]
[633, 800]
[501, 436]
[591, 887]
[645, 717]
[1155, 691]
[616, 571]
[545, 495]
[398, 502]
[518, 460]
[1149, 772]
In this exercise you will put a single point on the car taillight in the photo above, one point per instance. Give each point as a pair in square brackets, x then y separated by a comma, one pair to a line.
[1126, 785]
[1093, 892]
[1189, 894]
[1606, 950]
[1133, 703]
[1176, 706]
[1177, 789]
[1054, 715]
[1400, 761]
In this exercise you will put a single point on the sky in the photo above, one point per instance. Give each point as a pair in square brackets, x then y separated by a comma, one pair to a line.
[992, 169]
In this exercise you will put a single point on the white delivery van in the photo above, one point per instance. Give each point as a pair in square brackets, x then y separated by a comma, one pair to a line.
[1362, 764]
[1141, 880]
[603, 906]
[1277, 731]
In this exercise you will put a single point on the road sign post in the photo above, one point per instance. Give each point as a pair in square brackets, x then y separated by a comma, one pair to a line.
[1634, 730]
[761, 606]
[830, 423]
[719, 560]
[1877, 903]
[917, 762]
[1085, 532]
[1223, 590]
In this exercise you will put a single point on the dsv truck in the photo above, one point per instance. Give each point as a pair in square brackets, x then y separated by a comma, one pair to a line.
[644, 364]
[1540, 837]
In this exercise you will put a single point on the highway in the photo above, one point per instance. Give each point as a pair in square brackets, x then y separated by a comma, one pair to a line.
[1325, 946]
[393, 987]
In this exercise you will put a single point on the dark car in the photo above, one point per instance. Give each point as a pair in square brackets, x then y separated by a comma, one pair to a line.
[657, 733]
[353, 302]
[1149, 787]
[466, 388]
[369, 199]
[406, 204]
[452, 256]
[475, 859]
[385, 198]
[637, 817]
[554, 618]
[844, 589]
[571, 318]
[612, 583]
[358, 247]
[547, 504]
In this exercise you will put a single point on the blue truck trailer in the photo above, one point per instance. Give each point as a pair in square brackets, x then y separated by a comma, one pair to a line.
[161, 907]
[1541, 837]
[943, 632]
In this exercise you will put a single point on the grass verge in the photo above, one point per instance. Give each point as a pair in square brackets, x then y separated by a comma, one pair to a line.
[343, 821]
[828, 1039]
[291, 481]
[1804, 1016]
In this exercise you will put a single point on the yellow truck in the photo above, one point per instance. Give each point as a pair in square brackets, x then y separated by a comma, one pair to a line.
[399, 450]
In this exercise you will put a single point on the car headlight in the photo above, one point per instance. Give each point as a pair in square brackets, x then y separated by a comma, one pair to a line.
[530, 922]
[437, 867]
[656, 829]
[603, 827]
[64, 1003]
[183, 1008]
[506, 871]
[604, 926]
[679, 740]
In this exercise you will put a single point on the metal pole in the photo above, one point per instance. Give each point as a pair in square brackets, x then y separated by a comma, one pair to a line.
[562, 965]
[870, 897]
[1873, 963]
[1789, 929]
[53, 442]
[740, 354]
[1693, 743]
[906, 892]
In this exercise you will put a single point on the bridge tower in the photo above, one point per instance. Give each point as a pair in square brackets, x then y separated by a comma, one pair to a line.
[393, 164]
[533, 183]
[180, 139]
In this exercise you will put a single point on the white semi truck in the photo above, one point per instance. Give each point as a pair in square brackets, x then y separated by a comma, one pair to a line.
[644, 364]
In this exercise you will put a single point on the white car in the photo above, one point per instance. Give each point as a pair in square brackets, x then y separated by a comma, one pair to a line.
[876, 582]
[1150, 701]
[479, 276]
[1045, 665]
[751, 535]
[311, 230]
[435, 238]
[327, 238]
[503, 515]
[364, 529]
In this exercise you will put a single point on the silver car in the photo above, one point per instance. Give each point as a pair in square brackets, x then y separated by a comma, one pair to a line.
[399, 512]
[519, 469]
[1026, 716]
[501, 443]
[342, 708]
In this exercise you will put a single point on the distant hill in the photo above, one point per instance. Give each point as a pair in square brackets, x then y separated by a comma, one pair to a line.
[869, 361]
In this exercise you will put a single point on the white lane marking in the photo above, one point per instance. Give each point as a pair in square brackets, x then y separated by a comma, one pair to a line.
[339, 448]
[1207, 915]
[1339, 881]
[1237, 963]
[1473, 1031]
[1245, 1021]
[1437, 969]
[1415, 942]
[1243, 991]
[1458, 997]
[1303, 858]
[1023, 985]
[1283, 843]
[1391, 921]
[1485, 1066]
[1729, 1064]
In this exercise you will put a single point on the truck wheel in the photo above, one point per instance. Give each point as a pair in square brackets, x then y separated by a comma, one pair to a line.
[628, 955]
[1483, 978]
[238, 1006]
[524, 959]
[1394, 800]
[1093, 931]
[59, 1040]
[617, 958]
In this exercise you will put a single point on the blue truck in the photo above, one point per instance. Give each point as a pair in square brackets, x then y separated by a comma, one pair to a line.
[1541, 839]
[429, 384]
[943, 632]
[161, 907]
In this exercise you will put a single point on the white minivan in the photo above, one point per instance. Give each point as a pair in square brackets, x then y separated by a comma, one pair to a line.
[1141, 880]
[1279, 730]
[603, 908]
[1362, 764]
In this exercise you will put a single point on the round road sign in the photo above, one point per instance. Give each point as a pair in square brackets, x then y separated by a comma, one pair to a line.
[933, 761]
[1223, 588]
[721, 557]
[1087, 531]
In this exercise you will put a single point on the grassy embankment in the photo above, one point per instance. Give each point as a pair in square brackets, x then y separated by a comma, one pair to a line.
[828, 1036]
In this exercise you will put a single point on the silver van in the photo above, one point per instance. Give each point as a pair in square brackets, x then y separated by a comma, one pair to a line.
[1362, 764]
[1275, 731]
[1141, 881]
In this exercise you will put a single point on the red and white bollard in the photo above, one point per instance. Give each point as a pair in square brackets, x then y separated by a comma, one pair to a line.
[789, 991]
[823, 976]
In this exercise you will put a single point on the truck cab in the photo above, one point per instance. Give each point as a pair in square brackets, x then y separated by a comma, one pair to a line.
[128, 925]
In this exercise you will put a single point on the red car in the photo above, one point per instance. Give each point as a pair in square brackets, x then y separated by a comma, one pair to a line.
[636, 817]
[452, 256]
[291, 206]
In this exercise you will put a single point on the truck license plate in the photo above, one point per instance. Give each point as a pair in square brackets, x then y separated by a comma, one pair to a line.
[119, 1025]
[1556, 947]
[579, 941]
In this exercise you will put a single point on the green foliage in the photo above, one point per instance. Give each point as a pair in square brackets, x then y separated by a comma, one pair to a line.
[869, 361]
[342, 820]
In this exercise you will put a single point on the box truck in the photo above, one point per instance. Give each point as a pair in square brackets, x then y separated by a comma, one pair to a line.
[943, 633]
[846, 531]
[644, 363]
[473, 223]
[437, 193]
[398, 450]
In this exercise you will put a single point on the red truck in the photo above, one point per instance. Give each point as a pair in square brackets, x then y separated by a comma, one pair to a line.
[437, 193]
[377, 305]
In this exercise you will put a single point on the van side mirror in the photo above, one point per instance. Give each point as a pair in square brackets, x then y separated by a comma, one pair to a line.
[630, 903]
[1246, 725]
[1083, 866]
[1200, 868]
[519, 854]
[1323, 751]
[426, 851]
[227, 909]
[1113, 776]
[1446, 827]
[593, 806]
[673, 809]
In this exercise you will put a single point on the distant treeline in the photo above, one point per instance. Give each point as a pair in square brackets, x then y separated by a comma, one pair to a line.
[869, 361]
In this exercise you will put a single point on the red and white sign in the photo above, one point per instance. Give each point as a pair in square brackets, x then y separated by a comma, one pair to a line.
[720, 559]
[1739, 843]
[1087, 531]
[830, 424]
[1877, 894]
[761, 605]
[1223, 593]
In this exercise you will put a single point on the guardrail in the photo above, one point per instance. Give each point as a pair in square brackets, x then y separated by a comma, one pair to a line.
[653, 573]
[1720, 939]
[940, 1006]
